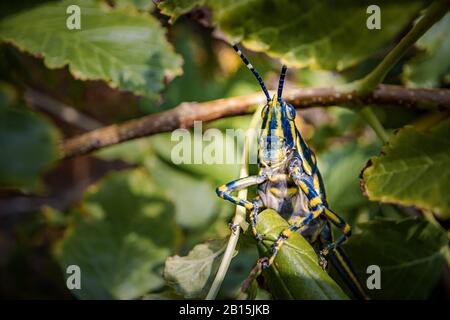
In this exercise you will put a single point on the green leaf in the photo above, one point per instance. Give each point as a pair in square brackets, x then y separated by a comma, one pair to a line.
[136, 4]
[192, 275]
[430, 68]
[296, 273]
[28, 144]
[195, 199]
[120, 238]
[409, 252]
[305, 33]
[8, 95]
[340, 168]
[413, 170]
[126, 49]
[219, 73]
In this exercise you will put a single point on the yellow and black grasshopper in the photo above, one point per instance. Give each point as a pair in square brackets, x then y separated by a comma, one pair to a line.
[289, 182]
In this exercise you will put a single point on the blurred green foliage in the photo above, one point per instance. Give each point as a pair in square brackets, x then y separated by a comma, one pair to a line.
[24, 135]
[131, 225]
[124, 49]
[431, 67]
[339, 41]
[410, 253]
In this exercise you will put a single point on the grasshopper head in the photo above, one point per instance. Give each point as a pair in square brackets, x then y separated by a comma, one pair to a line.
[278, 132]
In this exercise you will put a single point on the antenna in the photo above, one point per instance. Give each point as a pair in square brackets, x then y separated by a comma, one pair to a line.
[281, 82]
[253, 70]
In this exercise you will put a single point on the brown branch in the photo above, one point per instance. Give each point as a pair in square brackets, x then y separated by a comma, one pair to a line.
[62, 111]
[184, 115]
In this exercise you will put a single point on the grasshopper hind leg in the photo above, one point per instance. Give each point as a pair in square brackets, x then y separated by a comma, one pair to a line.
[341, 263]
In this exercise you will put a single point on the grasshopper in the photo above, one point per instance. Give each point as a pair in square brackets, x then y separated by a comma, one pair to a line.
[290, 183]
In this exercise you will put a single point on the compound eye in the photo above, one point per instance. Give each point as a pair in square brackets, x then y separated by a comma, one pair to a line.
[264, 111]
[290, 112]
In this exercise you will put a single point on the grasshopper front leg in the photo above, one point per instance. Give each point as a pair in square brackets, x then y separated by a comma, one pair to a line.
[252, 207]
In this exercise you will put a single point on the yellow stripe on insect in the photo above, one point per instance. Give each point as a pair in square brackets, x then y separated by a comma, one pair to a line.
[305, 163]
[313, 158]
[222, 190]
[252, 216]
[317, 183]
[280, 154]
[295, 219]
[279, 130]
[306, 166]
[246, 180]
[315, 201]
[316, 213]
[278, 177]
[287, 233]
[269, 118]
[275, 191]
[292, 130]
[332, 216]
[304, 187]
[248, 206]
[347, 229]
[348, 270]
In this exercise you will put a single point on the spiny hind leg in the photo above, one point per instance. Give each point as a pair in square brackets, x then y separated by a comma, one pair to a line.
[342, 225]
[316, 203]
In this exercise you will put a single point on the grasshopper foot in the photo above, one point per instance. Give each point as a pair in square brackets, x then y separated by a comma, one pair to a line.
[323, 262]
[233, 227]
[264, 263]
[259, 236]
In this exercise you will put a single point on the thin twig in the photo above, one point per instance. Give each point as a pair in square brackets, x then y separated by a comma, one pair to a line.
[240, 212]
[432, 14]
[184, 115]
[370, 117]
